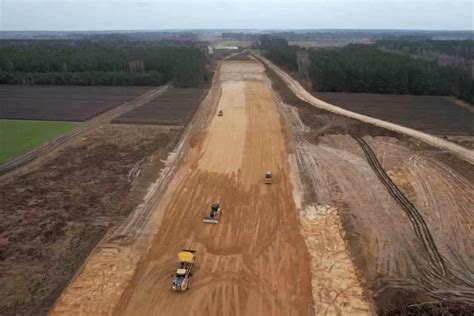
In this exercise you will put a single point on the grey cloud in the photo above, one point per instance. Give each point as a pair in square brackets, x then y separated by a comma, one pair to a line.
[149, 14]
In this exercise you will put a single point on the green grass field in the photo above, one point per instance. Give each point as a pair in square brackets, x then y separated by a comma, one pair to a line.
[19, 136]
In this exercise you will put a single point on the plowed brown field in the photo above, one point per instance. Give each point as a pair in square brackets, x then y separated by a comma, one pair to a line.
[254, 261]
[62, 103]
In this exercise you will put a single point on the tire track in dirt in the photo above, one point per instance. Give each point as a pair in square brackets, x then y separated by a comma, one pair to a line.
[462, 286]
[419, 224]
[338, 288]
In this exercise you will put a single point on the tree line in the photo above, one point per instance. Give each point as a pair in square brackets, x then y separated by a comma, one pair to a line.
[279, 52]
[100, 63]
[462, 48]
[366, 69]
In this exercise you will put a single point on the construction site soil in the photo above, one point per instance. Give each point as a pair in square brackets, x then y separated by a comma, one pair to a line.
[358, 219]
[62, 103]
[174, 107]
[53, 215]
[430, 114]
[415, 262]
[253, 262]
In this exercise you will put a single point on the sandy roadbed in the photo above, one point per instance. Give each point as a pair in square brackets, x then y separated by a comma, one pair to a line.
[254, 262]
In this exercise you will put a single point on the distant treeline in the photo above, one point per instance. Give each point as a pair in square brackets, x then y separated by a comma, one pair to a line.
[279, 52]
[354, 35]
[99, 63]
[366, 69]
[463, 49]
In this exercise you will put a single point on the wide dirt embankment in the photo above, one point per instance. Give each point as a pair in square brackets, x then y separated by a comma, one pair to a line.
[255, 260]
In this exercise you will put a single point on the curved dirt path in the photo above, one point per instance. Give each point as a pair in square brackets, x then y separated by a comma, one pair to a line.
[304, 95]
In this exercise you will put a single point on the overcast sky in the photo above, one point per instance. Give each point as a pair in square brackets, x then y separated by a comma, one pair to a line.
[67, 15]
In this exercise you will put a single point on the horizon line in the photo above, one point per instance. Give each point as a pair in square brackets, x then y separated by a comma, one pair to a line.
[241, 29]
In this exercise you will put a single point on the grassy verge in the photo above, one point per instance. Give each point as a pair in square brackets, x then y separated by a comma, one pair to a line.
[18, 137]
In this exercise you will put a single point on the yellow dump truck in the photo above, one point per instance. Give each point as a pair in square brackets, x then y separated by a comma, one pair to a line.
[186, 267]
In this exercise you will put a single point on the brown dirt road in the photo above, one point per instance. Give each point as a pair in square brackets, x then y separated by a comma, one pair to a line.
[254, 261]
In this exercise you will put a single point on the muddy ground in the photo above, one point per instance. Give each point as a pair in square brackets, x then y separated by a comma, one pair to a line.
[380, 236]
[53, 215]
[64, 103]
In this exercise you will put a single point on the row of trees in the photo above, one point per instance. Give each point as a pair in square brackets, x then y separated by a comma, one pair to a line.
[462, 48]
[278, 51]
[364, 68]
[87, 78]
[100, 63]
